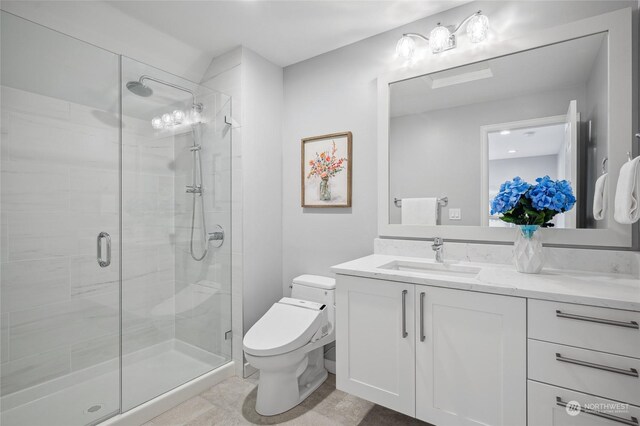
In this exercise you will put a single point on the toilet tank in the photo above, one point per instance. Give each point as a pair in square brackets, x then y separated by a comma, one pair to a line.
[316, 288]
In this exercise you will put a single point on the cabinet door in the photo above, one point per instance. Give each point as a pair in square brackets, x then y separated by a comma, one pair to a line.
[375, 341]
[470, 358]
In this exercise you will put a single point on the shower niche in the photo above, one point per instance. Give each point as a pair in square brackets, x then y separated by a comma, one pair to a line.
[147, 167]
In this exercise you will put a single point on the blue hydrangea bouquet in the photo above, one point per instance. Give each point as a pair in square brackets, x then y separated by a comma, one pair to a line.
[530, 207]
[522, 203]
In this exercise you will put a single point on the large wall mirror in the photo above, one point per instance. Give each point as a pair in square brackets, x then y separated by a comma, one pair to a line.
[541, 106]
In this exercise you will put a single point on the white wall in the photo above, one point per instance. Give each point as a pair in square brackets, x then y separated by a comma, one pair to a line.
[528, 168]
[256, 87]
[262, 183]
[337, 92]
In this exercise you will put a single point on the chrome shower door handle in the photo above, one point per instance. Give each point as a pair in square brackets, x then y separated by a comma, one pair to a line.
[103, 236]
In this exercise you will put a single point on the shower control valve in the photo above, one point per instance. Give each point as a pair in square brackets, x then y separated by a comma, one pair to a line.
[216, 238]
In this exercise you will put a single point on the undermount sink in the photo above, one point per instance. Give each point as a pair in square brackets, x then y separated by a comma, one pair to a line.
[429, 268]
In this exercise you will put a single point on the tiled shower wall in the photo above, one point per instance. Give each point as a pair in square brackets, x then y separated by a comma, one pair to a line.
[59, 190]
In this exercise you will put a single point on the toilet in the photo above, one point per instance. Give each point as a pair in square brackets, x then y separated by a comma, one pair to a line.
[287, 344]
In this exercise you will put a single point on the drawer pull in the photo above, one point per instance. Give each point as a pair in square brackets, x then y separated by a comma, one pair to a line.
[630, 372]
[630, 324]
[632, 422]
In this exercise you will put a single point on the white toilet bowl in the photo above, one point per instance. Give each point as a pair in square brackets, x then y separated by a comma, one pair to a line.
[287, 345]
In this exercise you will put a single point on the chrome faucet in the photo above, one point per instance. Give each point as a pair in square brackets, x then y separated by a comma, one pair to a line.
[437, 246]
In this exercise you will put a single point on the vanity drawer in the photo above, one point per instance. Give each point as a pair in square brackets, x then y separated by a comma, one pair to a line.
[546, 407]
[602, 329]
[597, 373]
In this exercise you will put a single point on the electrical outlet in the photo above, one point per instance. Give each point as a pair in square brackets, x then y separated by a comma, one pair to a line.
[455, 214]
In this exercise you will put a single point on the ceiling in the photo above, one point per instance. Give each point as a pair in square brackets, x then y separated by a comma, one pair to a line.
[181, 37]
[284, 32]
[561, 65]
[527, 142]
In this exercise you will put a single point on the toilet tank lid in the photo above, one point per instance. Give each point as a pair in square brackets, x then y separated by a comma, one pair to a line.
[315, 281]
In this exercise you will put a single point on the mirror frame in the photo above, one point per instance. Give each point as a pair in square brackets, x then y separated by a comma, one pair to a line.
[618, 25]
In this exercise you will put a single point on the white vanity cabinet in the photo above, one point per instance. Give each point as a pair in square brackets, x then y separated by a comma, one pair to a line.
[375, 341]
[586, 355]
[448, 357]
[498, 348]
[470, 358]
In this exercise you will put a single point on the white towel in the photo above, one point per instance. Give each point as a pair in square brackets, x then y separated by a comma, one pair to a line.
[419, 211]
[627, 207]
[601, 198]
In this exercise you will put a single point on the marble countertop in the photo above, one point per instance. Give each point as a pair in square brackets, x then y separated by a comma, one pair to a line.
[618, 291]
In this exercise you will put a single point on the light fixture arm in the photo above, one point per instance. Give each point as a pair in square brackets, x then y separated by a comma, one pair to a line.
[415, 35]
[443, 37]
[465, 21]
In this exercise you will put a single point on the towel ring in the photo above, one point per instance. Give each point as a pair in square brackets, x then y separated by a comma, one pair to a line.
[604, 165]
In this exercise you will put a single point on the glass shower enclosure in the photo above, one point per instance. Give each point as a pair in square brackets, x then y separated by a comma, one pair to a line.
[114, 222]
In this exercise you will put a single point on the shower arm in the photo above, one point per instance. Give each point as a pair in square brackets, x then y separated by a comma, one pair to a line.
[175, 86]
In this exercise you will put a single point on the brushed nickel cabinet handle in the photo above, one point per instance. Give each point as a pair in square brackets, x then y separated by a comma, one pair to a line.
[404, 314]
[630, 372]
[107, 261]
[422, 336]
[632, 422]
[629, 324]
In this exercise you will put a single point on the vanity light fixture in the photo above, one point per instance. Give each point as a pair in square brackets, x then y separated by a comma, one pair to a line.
[512, 151]
[505, 132]
[175, 118]
[443, 38]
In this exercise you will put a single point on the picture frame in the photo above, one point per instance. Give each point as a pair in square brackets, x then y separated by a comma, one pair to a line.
[326, 171]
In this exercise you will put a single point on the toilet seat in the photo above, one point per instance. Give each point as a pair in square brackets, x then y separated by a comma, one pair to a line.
[288, 325]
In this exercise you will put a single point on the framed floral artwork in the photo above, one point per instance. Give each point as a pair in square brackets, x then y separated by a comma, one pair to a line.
[326, 170]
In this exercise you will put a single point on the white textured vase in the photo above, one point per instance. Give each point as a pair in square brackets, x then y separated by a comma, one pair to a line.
[527, 250]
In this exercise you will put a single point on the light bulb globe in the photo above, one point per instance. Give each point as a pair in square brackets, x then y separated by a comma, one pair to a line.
[478, 28]
[167, 119]
[156, 123]
[439, 39]
[178, 116]
[405, 47]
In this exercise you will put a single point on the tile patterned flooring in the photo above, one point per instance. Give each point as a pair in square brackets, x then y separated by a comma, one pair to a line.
[232, 402]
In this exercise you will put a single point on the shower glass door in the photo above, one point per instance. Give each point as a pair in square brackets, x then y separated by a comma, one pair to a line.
[60, 150]
[176, 180]
[114, 227]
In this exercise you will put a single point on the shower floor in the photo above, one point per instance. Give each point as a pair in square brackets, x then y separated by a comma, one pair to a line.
[145, 375]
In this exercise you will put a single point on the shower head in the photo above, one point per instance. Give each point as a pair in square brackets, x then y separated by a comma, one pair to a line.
[139, 88]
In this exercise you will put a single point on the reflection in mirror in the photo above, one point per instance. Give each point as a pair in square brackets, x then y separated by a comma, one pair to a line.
[460, 133]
